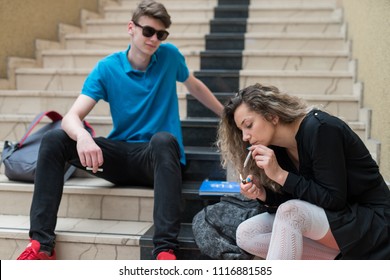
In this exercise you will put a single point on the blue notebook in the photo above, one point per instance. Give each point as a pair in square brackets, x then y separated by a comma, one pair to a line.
[218, 188]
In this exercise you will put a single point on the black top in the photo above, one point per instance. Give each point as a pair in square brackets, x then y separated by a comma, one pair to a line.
[336, 172]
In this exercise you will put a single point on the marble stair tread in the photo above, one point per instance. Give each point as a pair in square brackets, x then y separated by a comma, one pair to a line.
[306, 4]
[35, 101]
[83, 71]
[81, 185]
[93, 227]
[124, 12]
[290, 73]
[118, 24]
[303, 4]
[98, 52]
[72, 79]
[15, 124]
[314, 53]
[172, 3]
[87, 58]
[89, 197]
[77, 238]
[295, 35]
[42, 99]
[194, 25]
[80, 58]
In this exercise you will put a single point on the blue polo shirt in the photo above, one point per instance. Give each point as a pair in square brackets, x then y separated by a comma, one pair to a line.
[141, 102]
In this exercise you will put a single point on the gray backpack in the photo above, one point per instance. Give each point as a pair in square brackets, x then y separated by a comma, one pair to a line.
[214, 227]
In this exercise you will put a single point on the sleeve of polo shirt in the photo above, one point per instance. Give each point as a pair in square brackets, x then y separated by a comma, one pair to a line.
[183, 72]
[93, 85]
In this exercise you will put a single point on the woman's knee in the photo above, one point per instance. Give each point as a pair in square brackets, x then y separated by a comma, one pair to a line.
[288, 208]
[259, 224]
[241, 234]
[291, 212]
[301, 215]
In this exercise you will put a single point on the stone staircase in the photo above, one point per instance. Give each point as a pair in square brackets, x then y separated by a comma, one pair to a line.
[298, 45]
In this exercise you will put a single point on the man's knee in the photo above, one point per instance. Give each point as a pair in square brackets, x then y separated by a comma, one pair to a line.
[162, 138]
[54, 139]
[164, 142]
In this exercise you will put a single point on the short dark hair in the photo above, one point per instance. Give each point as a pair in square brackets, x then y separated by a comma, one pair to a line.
[151, 8]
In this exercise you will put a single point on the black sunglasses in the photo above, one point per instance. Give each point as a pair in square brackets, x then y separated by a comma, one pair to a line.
[148, 32]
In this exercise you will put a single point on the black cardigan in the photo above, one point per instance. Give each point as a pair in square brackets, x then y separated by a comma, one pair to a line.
[336, 172]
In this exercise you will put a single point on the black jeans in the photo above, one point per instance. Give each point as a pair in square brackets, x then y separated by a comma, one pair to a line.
[155, 163]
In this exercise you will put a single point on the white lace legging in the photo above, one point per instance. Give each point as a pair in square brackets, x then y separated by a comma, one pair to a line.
[289, 234]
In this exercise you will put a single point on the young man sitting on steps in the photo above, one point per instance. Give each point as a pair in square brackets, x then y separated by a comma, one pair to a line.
[145, 146]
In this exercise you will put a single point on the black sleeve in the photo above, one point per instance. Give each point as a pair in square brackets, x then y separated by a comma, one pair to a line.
[273, 200]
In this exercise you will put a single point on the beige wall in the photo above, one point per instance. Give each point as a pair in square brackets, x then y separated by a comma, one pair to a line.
[369, 29]
[23, 21]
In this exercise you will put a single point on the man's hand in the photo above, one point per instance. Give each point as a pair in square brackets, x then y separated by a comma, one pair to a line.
[89, 153]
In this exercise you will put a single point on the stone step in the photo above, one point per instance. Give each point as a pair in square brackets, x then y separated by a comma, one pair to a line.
[57, 79]
[91, 239]
[119, 41]
[34, 101]
[89, 197]
[87, 59]
[193, 41]
[344, 106]
[179, 26]
[309, 4]
[297, 60]
[276, 60]
[294, 82]
[282, 9]
[174, 3]
[217, 59]
[188, 248]
[72, 80]
[83, 198]
[14, 126]
[200, 131]
[178, 12]
[202, 26]
[170, 4]
[286, 9]
[77, 239]
[302, 82]
[277, 42]
[196, 131]
[276, 25]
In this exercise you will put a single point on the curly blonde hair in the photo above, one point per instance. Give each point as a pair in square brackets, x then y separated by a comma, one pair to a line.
[267, 101]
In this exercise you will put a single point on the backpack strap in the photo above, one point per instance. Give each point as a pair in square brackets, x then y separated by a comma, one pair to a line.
[53, 115]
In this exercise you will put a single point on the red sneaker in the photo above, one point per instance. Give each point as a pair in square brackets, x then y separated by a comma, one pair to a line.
[166, 255]
[32, 252]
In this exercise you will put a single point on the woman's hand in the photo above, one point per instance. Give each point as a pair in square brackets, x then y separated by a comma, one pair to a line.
[251, 190]
[265, 159]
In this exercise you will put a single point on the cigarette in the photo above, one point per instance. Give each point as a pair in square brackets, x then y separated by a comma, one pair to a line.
[247, 158]
[90, 169]
[242, 179]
